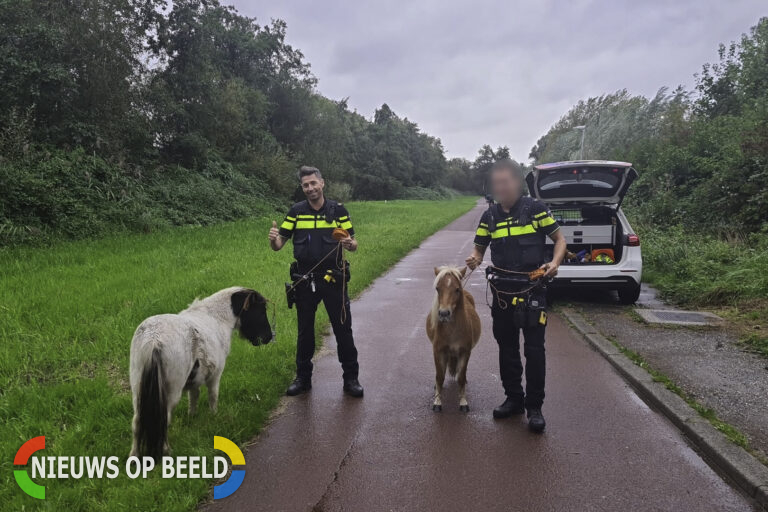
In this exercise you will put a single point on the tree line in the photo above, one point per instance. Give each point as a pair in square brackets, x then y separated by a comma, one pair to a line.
[702, 155]
[140, 114]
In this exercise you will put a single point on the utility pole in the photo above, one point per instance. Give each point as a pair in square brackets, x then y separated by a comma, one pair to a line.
[583, 129]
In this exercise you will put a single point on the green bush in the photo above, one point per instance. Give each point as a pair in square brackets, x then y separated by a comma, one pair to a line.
[53, 194]
[371, 187]
[339, 191]
[704, 270]
[429, 193]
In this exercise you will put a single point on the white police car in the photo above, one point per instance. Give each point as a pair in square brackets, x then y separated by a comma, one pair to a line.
[585, 198]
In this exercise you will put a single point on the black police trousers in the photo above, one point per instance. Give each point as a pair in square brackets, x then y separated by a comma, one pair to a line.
[507, 335]
[306, 307]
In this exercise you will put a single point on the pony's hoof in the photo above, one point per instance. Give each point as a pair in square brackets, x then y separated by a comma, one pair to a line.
[464, 408]
[437, 408]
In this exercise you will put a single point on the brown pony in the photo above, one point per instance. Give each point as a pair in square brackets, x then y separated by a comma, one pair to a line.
[453, 327]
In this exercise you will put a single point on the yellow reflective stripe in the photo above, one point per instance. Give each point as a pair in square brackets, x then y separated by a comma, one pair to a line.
[482, 231]
[483, 224]
[287, 225]
[548, 221]
[342, 219]
[540, 215]
[522, 230]
[306, 217]
[514, 231]
[320, 224]
[292, 219]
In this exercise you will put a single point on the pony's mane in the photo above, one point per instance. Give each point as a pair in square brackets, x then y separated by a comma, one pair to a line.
[442, 272]
[216, 304]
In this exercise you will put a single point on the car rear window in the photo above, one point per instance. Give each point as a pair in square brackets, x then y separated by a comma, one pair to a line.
[580, 182]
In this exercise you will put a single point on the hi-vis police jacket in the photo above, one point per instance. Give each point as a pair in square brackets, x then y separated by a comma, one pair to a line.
[518, 237]
[312, 232]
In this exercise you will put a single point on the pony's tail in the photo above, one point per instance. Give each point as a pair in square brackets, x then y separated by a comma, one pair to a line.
[153, 411]
[453, 362]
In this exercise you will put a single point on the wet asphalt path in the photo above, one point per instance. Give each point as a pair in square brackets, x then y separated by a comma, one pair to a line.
[708, 363]
[604, 449]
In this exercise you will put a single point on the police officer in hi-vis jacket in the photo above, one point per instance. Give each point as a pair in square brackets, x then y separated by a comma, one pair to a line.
[516, 228]
[319, 274]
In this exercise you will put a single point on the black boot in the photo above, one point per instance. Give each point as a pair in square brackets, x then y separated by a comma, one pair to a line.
[510, 407]
[299, 386]
[353, 388]
[536, 421]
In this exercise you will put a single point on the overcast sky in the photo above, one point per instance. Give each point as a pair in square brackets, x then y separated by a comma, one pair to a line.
[501, 72]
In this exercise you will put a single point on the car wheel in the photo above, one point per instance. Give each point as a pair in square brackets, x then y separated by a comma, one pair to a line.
[629, 295]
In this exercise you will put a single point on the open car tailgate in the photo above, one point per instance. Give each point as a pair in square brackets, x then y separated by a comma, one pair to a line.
[584, 181]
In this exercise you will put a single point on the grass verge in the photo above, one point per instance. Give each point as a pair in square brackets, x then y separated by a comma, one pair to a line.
[67, 314]
[732, 433]
[729, 277]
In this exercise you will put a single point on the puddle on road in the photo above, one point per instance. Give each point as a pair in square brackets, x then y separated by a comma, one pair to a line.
[649, 298]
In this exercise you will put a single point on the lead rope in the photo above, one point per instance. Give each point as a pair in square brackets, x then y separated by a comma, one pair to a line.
[338, 251]
[496, 291]
[504, 304]
[463, 285]
[273, 323]
[274, 318]
[343, 316]
[305, 276]
[466, 277]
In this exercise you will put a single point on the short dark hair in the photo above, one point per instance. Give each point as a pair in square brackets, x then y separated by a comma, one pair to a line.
[507, 164]
[306, 170]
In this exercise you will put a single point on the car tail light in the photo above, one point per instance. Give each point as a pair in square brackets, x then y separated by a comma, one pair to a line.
[633, 240]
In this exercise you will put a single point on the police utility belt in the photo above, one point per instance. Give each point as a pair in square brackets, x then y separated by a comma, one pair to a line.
[517, 295]
[313, 279]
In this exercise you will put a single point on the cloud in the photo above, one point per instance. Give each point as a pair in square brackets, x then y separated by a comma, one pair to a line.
[501, 72]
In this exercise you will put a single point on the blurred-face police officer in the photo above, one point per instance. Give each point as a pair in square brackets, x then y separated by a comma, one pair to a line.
[311, 223]
[516, 228]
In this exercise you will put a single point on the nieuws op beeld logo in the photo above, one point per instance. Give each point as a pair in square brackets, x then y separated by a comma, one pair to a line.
[76, 467]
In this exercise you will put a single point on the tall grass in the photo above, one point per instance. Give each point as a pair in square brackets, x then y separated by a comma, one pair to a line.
[67, 315]
[696, 269]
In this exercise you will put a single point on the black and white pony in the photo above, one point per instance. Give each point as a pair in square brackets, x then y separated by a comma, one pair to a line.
[173, 353]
